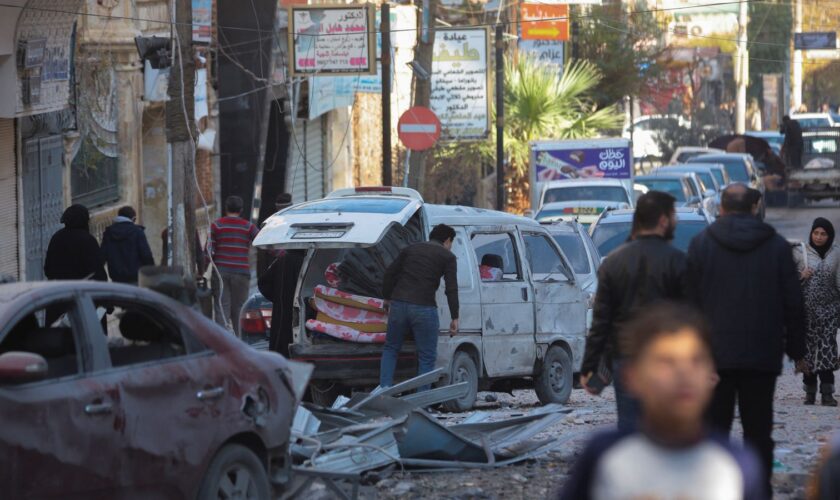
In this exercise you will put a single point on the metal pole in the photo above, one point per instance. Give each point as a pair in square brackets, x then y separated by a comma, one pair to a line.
[742, 69]
[796, 63]
[385, 12]
[500, 118]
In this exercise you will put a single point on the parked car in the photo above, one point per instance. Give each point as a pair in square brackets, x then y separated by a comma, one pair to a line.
[255, 319]
[815, 120]
[741, 168]
[578, 247]
[684, 153]
[167, 403]
[708, 175]
[613, 228]
[648, 130]
[679, 185]
[526, 325]
[819, 178]
[582, 199]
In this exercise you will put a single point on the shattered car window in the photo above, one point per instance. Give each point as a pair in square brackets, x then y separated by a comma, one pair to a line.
[138, 335]
[51, 333]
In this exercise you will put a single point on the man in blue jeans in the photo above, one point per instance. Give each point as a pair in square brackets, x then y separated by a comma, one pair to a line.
[409, 288]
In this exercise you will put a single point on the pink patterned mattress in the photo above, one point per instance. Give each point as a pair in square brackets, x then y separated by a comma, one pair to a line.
[345, 333]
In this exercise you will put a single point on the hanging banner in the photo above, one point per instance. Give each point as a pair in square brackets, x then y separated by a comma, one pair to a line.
[815, 40]
[202, 20]
[544, 22]
[544, 51]
[332, 40]
[460, 94]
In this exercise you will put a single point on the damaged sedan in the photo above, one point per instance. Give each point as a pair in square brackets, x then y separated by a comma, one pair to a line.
[116, 391]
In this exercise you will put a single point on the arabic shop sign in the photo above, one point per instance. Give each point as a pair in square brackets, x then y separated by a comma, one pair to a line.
[544, 22]
[544, 51]
[609, 163]
[460, 86]
[333, 40]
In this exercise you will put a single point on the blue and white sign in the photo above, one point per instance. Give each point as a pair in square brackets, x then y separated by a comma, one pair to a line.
[575, 163]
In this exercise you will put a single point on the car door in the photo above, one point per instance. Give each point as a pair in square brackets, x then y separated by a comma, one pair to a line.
[60, 437]
[176, 397]
[507, 305]
[560, 305]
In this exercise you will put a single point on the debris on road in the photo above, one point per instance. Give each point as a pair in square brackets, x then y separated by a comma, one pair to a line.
[391, 426]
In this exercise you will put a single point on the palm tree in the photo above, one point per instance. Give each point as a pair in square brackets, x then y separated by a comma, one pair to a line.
[539, 104]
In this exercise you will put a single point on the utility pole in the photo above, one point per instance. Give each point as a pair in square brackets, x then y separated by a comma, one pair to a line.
[385, 23]
[500, 118]
[180, 131]
[423, 55]
[742, 70]
[796, 63]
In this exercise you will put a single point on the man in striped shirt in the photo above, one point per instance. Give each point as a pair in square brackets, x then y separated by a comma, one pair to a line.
[229, 246]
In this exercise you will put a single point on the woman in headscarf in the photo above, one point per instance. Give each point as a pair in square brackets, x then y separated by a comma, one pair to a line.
[818, 268]
[73, 253]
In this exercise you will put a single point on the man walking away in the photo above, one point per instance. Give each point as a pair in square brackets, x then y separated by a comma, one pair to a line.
[229, 246]
[409, 288]
[125, 247]
[73, 253]
[672, 455]
[634, 275]
[793, 145]
[744, 279]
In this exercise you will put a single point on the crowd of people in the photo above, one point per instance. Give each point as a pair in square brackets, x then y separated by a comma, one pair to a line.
[688, 338]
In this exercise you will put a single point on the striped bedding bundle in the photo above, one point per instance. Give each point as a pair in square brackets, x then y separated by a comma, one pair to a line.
[348, 317]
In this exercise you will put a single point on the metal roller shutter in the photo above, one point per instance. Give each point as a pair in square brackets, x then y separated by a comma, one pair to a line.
[305, 174]
[8, 200]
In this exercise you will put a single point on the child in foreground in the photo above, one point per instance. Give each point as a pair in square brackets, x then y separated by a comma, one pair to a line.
[672, 455]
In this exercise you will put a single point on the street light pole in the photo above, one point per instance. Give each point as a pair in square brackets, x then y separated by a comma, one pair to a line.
[796, 62]
[500, 118]
[742, 69]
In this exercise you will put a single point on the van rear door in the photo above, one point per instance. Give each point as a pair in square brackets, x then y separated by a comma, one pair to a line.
[337, 222]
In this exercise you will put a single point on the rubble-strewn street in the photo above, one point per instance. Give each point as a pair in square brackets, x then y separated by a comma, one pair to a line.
[800, 431]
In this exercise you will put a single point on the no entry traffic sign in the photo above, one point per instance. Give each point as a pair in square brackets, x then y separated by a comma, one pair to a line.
[418, 128]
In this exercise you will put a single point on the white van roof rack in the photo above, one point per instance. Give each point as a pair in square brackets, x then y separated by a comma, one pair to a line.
[376, 191]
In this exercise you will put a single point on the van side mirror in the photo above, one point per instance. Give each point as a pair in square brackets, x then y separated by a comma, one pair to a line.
[19, 367]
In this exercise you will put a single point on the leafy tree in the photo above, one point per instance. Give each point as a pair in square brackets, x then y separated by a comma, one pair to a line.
[768, 33]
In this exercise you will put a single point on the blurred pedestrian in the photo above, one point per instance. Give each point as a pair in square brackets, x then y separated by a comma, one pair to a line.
[73, 253]
[125, 247]
[669, 368]
[633, 276]
[825, 483]
[818, 270]
[793, 145]
[278, 285]
[409, 288]
[744, 279]
[754, 115]
[229, 247]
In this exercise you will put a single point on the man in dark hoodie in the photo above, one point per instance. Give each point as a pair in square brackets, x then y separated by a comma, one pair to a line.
[125, 247]
[743, 277]
[73, 253]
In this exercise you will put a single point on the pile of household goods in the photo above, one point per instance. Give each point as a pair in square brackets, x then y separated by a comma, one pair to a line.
[348, 307]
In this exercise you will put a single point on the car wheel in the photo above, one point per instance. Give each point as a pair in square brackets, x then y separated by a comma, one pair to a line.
[235, 472]
[463, 370]
[553, 383]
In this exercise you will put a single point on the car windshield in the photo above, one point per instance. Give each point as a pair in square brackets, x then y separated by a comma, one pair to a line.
[687, 155]
[706, 180]
[586, 193]
[609, 236]
[575, 251]
[719, 176]
[352, 205]
[674, 187]
[735, 168]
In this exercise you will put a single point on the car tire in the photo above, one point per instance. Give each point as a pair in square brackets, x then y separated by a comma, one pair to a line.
[463, 370]
[235, 472]
[554, 382]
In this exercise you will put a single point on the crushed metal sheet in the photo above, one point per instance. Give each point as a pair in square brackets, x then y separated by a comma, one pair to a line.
[340, 401]
[424, 437]
[305, 422]
[413, 383]
[370, 451]
[438, 395]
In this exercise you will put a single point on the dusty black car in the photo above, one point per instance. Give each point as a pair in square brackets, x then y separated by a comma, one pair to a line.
[153, 401]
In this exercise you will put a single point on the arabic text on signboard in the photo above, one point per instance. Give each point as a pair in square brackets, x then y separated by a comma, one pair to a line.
[337, 40]
[460, 91]
[544, 22]
[608, 163]
[202, 19]
[543, 51]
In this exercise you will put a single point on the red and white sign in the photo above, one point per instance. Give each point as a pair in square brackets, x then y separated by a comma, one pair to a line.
[418, 128]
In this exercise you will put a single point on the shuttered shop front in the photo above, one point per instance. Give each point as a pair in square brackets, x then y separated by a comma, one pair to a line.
[8, 199]
[305, 175]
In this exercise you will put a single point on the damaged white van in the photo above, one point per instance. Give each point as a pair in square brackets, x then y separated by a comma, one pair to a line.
[522, 319]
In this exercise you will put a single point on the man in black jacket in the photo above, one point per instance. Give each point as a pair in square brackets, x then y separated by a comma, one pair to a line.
[793, 145]
[409, 288]
[125, 247]
[642, 271]
[743, 277]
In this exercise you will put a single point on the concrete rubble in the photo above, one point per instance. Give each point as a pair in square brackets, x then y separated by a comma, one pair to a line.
[391, 427]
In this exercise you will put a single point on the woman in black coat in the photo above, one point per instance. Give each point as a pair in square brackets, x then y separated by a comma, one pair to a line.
[73, 253]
